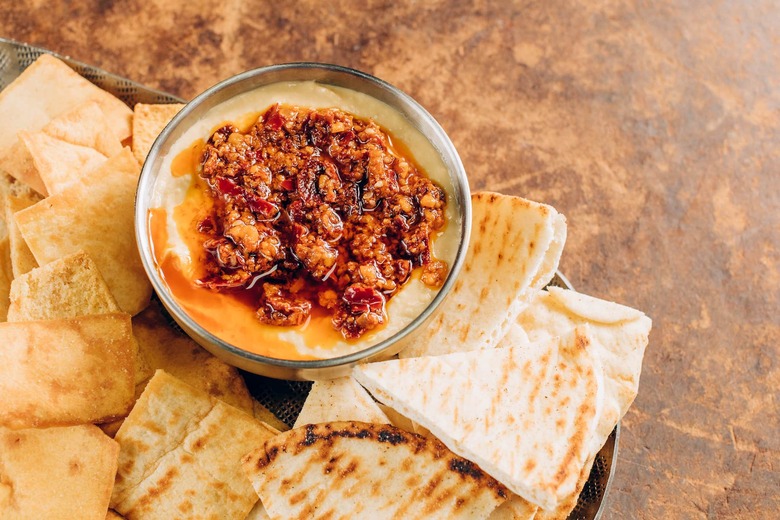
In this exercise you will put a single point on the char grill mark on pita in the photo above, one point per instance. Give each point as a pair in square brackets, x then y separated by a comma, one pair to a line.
[514, 251]
[353, 469]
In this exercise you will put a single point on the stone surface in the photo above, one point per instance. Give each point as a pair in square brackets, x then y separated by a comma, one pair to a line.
[654, 126]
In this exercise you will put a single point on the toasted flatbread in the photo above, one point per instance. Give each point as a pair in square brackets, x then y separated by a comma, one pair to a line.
[360, 470]
[65, 288]
[258, 512]
[17, 159]
[182, 358]
[49, 88]
[64, 372]
[515, 508]
[514, 250]
[22, 259]
[525, 414]
[85, 125]
[59, 164]
[619, 333]
[341, 399]
[6, 271]
[65, 472]
[45, 90]
[181, 455]
[148, 122]
[95, 215]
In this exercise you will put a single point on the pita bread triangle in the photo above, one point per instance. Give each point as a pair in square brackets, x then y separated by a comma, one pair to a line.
[95, 215]
[619, 335]
[524, 414]
[59, 164]
[513, 253]
[61, 472]
[341, 399]
[85, 125]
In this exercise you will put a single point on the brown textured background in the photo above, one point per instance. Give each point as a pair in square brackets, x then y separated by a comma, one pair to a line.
[653, 125]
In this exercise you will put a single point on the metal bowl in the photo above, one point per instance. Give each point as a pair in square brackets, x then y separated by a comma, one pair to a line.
[331, 75]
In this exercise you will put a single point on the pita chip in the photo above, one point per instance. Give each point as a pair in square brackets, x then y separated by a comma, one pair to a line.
[180, 455]
[341, 470]
[59, 164]
[65, 288]
[341, 399]
[85, 125]
[524, 414]
[22, 259]
[49, 88]
[64, 472]
[65, 372]
[43, 91]
[95, 215]
[513, 253]
[176, 354]
[148, 122]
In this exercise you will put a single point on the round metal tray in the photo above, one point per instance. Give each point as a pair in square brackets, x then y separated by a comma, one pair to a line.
[285, 398]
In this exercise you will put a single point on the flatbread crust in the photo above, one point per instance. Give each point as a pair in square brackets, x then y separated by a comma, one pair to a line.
[148, 122]
[514, 251]
[65, 472]
[180, 455]
[65, 288]
[65, 372]
[95, 215]
[524, 414]
[341, 399]
[360, 470]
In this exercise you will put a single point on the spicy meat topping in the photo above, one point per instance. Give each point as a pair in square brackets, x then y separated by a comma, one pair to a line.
[316, 208]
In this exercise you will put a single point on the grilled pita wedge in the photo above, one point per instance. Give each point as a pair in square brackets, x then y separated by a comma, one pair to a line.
[65, 472]
[341, 399]
[514, 251]
[360, 470]
[619, 333]
[525, 414]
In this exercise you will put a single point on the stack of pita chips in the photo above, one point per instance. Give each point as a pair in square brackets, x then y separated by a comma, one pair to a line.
[81, 341]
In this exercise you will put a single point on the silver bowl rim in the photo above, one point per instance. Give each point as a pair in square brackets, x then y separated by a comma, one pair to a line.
[447, 149]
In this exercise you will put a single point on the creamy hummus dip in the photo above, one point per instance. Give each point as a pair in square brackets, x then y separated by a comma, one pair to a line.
[182, 199]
